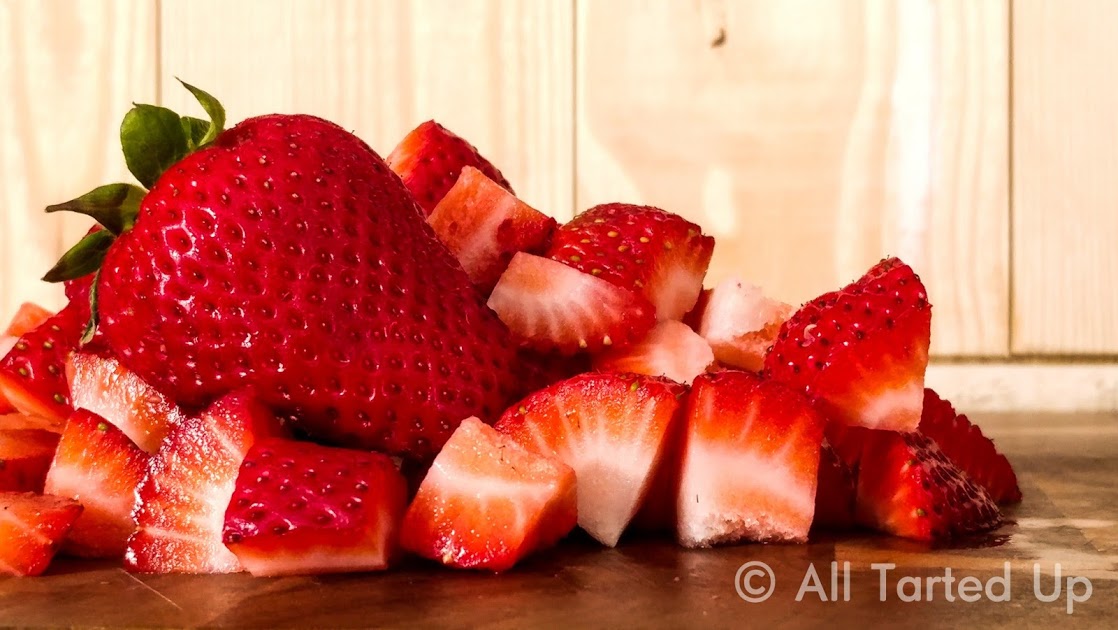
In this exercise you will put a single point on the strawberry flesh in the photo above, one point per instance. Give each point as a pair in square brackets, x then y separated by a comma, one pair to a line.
[750, 462]
[25, 456]
[671, 350]
[99, 466]
[611, 429]
[965, 445]
[32, 527]
[300, 508]
[487, 503]
[33, 374]
[740, 323]
[429, 160]
[552, 307]
[860, 353]
[908, 487]
[483, 225]
[835, 492]
[186, 489]
[654, 253]
[105, 387]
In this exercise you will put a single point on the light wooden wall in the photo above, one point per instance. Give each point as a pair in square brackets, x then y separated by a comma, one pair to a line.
[974, 138]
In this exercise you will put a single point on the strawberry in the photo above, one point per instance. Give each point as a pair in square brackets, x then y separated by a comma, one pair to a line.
[285, 256]
[835, 492]
[429, 160]
[19, 421]
[970, 450]
[658, 512]
[29, 317]
[32, 527]
[32, 375]
[553, 307]
[611, 429]
[907, 487]
[99, 466]
[740, 323]
[649, 251]
[187, 487]
[25, 456]
[105, 387]
[487, 502]
[300, 508]
[847, 442]
[750, 462]
[860, 353]
[483, 225]
[671, 349]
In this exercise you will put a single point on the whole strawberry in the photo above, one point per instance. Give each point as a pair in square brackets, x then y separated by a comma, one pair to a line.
[283, 254]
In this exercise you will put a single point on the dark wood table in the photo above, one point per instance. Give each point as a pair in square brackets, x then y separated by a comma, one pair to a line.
[1068, 467]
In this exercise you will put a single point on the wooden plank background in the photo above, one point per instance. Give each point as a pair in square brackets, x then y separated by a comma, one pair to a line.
[974, 138]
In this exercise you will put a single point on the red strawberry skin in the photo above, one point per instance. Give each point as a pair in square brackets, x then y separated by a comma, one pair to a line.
[288, 257]
[429, 160]
[301, 508]
[860, 353]
[835, 493]
[25, 456]
[33, 374]
[99, 466]
[966, 447]
[907, 487]
[654, 253]
[32, 527]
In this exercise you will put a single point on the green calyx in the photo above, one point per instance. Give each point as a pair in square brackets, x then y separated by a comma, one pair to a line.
[153, 138]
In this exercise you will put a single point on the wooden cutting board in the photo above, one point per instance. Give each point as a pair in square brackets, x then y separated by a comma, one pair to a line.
[1068, 466]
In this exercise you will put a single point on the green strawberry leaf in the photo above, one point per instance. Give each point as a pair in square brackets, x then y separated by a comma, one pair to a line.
[212, 108]
[82, 259]
[152, 139]
[114, 206]
[195, 129]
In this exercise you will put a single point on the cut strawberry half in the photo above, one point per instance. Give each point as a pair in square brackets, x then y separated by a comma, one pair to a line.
[300, 508]
[105, 387]
[750, 462]
[966, 447]
[99, 466]
[649, 251]
[835, 492]
[907, 487]
[487, 503]
[32, 527]
[25, 456]
[32, 375]
[611, 429]
[29, 317]
[483, 225]
[553, 307]
[429, 160]
[189, 481]
[740, 323]
[860, 353]
[671, 350]
[19, 421]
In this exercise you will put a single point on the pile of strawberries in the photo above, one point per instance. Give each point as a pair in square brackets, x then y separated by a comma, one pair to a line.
[285, 355]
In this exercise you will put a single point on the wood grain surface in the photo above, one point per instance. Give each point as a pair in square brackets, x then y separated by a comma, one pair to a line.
[1065, 212]
[1069, 516]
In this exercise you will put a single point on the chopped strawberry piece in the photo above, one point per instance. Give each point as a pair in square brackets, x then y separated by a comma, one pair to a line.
[542, 369]
[32, 375]
[25, 456]
[907, 487]
[750, 462]
[965, 445]
[19, 421]
[32, 527]
[487, 503]
[98, 465]
[860, 353]
[187, 487]
[847, 442]
[429, 160]
[300, 508]
[835, 492]
[671, 349]
[483, 225]
[553, 307]
[105, 387]
[611, 429]
[649, 251]
[740, 323]
[29, 317]
[659, 512]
